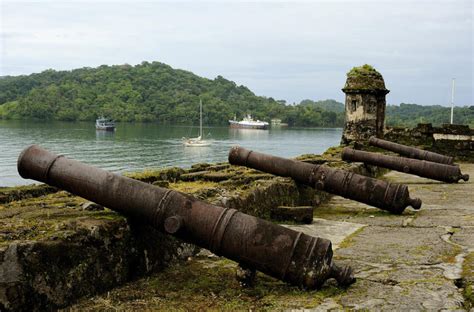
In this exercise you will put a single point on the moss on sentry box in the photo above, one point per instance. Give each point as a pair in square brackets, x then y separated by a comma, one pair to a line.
[364, 77]
[364, 70]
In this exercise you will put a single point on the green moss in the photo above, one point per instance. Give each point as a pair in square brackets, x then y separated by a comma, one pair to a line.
[45, 217]
[349, 240]
[339, 212]
[469, 295]
[192, 187]
[468, 266]
[333, 152]
[361, 71]
[151, 175]
[9, 194]
[199, 167]
[468, 280]
[206, 284]
[107, 215]
[364, 77]
[449, 255]
[143, 175]
[431, 281]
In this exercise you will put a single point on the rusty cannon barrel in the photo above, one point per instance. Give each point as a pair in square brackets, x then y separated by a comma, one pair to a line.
[291, 256]
[411, 152]
[422, 168]
[381, 194]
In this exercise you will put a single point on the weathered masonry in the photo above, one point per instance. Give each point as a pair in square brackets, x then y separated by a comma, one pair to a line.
[365, 104]
[454, 140]
[55, 248]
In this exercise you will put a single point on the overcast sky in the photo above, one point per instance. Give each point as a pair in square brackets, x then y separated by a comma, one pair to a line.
[286, 50]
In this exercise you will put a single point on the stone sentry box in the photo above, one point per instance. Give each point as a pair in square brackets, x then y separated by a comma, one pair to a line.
[365, 104]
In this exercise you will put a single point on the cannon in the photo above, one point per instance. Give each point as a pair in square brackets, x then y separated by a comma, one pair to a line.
[411, 152]
[256, 244]
[381, 194]
[422, 168]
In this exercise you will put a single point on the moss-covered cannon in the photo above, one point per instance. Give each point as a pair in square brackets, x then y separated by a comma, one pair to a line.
[381, 194]
[291, 256]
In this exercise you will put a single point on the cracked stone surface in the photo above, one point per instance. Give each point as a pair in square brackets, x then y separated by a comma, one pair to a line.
[335, 231]
[417, 261]
[412, 261]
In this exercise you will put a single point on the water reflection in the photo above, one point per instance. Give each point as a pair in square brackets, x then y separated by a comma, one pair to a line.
[248, 134]
[134, 147]
[198, 154]
[104, 135]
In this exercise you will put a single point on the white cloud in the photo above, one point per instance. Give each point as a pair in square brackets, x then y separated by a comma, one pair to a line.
[288, 50]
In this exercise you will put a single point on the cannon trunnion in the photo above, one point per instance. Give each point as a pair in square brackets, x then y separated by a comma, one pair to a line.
[291, 256]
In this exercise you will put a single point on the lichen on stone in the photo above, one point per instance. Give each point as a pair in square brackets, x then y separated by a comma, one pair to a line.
[103, 249]
[207, 284]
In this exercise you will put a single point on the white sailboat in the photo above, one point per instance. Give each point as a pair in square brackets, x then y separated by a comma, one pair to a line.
[198, 142]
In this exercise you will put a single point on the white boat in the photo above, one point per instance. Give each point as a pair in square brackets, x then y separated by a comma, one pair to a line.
[198, 142]
[106, 124]
[248, 123]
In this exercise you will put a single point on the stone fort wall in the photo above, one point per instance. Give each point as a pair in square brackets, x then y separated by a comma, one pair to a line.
[453, 140]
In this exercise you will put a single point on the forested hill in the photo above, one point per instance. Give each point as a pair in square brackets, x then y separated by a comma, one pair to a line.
[158, 93]
[147, 92]
[409, 115]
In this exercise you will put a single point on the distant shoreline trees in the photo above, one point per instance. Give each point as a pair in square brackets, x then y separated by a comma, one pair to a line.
[155, 92]
[409, 115]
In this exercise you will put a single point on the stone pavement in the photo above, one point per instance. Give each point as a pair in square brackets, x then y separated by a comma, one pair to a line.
[419, 261]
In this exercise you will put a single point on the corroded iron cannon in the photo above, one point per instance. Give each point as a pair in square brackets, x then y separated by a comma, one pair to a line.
[291, 256]
[411, 152]
[381, 194]
[422, 168]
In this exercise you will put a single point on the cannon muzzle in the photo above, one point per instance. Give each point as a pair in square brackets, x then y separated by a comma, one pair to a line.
[381, 194]
[291, 256]
[422, 168]
[411, 152]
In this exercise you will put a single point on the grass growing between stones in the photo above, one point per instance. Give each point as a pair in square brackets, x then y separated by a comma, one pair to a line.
[9, 194]
[449, 255]
[192, 186]
[199, 284]
[151, 175]
[468, 277]
[47, 217]
[349, 240]
[355, 213]
[207, 284]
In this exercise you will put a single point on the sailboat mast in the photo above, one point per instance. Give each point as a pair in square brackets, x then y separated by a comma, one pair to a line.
[200, 118]
[452, 101]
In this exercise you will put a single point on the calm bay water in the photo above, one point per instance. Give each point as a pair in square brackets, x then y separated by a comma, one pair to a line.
[134, 147]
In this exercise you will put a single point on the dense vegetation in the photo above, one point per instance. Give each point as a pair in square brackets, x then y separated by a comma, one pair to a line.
[409, 115]
[155, 92]
[147, 92]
